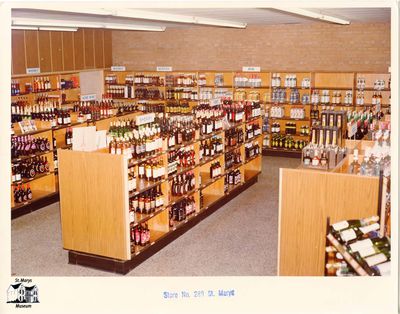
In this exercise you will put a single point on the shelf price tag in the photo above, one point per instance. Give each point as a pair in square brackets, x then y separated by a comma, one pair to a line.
[32, 70]
[215, 102]
[27, 126]
[164, 69]
[88, 97]
[118, 68]
[145, 118]
[251, 69]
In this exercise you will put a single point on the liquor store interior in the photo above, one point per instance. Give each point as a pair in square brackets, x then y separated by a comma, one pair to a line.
[198, 142]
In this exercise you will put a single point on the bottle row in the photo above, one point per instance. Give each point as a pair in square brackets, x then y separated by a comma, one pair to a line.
[379, 84]
[294, 113]
[290, 128]
[290, 81]
[150, 201]
[22, 193]
[284, 141]
[29, 168]
[42, 84]
[364, 243]
[28, 145]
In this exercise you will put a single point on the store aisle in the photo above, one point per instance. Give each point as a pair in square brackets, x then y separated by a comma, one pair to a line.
[239, 239]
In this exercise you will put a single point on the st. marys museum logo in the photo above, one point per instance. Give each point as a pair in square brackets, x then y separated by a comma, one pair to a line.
[23, 292]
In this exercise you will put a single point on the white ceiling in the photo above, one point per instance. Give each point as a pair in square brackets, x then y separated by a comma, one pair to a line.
[250, 16]
[269, 16]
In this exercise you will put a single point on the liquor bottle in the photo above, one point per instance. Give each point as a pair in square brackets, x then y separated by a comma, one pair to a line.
[381, 257]
[352, 234]
[215, 169]
[354, 223]
[382, 269]
[182, 183]
[354, 167]
[68, 136]
[131, 180]
[374, 240]
[363, 253]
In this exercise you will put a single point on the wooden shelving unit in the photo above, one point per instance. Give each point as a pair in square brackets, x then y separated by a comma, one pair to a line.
[45, 187]
[287, 106]
[89, 232]
[213, 81]
[307, 199]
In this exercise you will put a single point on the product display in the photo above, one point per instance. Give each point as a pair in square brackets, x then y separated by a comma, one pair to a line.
[361, 246]
[181, 144]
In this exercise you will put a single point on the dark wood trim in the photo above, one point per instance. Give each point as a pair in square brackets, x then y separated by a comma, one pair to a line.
[281, 153]
[35, 205]
[123, 267]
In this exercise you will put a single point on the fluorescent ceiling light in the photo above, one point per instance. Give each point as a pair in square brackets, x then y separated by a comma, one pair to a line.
[314, 15]
[166, 17]
[207, 21]
[25, 27]
[156, 16]
[147, 15]
[59, 29]
[135, 27]
[81, 11]
[57, 25]
[54, 23]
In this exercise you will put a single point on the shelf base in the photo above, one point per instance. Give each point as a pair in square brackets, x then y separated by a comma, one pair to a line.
[281, 153]
[35, 205]
[123, 267]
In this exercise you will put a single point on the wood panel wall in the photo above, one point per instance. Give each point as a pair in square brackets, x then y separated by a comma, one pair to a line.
[61, 51]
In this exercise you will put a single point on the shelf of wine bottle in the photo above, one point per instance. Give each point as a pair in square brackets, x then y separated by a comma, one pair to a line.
[206, 180]
[134, 161]
[72, 124]
[289, 118]
[277, 103]
[232, 148]
[181, 170]
[37, 195]
[373, 89]
[372, 105]
[22, 158]
[142, 185]
[206, 160]
[247, 160]
[234, 167]
[291, 150]
[334, 88]
[254, 138]
[141, 218]
[38, 176]
[177, 199]
[349, 259]
[155, 235]
[147, 85]
[251, 87]
[209, 199]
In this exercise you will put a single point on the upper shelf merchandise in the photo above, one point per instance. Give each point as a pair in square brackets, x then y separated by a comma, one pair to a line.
[172, 169]
[289, 103]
